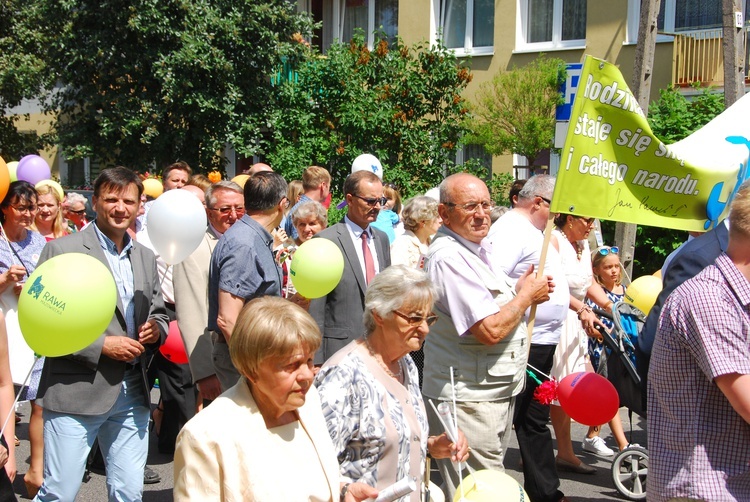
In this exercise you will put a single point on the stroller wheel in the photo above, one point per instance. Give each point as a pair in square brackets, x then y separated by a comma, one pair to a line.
[629, 472]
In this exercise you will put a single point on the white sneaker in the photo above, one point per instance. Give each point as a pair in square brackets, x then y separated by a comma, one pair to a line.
[597, 446]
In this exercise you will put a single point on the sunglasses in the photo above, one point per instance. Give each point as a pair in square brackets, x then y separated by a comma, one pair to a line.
[605, 250]
[79, 212]
[416, 320]
[373, 202]
[240, 210]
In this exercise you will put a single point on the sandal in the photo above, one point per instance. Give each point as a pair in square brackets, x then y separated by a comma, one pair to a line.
[17, 441]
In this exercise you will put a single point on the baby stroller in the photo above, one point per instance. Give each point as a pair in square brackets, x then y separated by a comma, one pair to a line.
[630, 466]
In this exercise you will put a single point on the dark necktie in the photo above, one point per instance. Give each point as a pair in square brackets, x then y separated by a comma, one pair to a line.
[369, 262]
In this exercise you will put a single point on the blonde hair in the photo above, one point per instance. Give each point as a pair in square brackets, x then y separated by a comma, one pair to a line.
[313, 176]
[294, 191]
[58, 227]
[270, 327]
[597, 258]
[739, 212]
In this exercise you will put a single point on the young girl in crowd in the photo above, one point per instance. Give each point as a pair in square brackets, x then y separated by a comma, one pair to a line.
[605, 263]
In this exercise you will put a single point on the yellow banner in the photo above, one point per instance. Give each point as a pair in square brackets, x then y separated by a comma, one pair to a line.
[614, 168]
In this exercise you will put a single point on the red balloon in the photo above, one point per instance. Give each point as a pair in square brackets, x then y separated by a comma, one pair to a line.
[588, 398]
[174, 348]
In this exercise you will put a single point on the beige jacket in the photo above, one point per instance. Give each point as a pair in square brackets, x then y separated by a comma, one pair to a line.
[225, 452]
[190, 279]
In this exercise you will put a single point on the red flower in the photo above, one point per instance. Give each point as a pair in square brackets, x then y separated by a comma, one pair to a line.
[546, 392]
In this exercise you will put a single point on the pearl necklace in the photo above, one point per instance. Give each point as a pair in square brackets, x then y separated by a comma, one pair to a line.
[576, 246]
[398, 376]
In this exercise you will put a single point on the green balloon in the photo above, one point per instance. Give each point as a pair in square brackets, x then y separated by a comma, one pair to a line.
[66, 304]
[317, 267]
[12, 166]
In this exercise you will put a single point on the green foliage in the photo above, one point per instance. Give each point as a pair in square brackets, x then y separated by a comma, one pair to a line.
[515, 111]
[147, 82]
[22, 75]
[672, 118]
[401, 104]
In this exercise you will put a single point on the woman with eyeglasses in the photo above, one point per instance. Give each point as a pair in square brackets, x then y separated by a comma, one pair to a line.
[74, 210]
[571, 236]
[19, 251]
[369, 390]
[607, 271]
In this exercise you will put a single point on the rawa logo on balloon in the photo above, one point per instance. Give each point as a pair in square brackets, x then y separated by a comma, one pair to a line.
[49, 300]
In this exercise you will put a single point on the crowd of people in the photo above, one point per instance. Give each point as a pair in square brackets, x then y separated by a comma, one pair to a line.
[344, 390]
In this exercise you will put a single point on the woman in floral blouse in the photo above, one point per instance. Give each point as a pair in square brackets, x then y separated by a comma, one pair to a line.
[369, 390]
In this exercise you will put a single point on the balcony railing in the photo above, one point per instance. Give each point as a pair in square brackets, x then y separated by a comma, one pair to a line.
[698, 57]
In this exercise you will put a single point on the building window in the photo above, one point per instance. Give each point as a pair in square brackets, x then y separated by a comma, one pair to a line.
[468, 26]
[551, 24]
[679, 16]
[342, 19]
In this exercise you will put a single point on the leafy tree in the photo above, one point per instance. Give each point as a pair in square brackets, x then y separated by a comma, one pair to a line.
[515, 111]
[22, 76]
[672, 118]
[401, 104]
[152, 81]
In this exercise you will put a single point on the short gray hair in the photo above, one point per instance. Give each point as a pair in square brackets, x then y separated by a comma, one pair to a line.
[310, 208]
[73, 197]
[221, 185]
[394, 287]
[540, 185]
[417, 210]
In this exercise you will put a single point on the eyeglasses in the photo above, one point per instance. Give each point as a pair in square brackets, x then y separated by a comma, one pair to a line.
[472, 207]
[372, 202]
[23, 209]
[416, 320]
[587, 221]
[605, 250]
[79, 212]
[226, 210]
[545, 199]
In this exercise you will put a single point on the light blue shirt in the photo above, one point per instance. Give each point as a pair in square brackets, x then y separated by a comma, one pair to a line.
[122, 270]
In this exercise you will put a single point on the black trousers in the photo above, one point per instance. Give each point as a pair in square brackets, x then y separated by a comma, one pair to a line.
[178, 395]
[534, 438]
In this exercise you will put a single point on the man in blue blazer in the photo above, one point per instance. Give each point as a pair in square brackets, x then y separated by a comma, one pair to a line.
[339, 314]
[102, 391]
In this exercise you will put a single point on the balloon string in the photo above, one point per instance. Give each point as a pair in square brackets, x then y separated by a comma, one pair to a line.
[540, 372]
[15, 402]
[10, 248]
[455, 430]
[161, 282]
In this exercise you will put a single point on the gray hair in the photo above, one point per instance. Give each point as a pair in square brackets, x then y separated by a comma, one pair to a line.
[310, 208]
[394, 287]
[73, 197]
[417, 210]
[540, 185]
[221, 185]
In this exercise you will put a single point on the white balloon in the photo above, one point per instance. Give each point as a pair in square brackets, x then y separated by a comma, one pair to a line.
[368, 162]
[176, 224]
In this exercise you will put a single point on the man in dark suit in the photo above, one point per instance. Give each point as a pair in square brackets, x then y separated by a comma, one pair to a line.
[102, 391]
[366, 251]
[692, 258]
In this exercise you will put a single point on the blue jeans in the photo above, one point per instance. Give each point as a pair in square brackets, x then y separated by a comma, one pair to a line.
[123, 439]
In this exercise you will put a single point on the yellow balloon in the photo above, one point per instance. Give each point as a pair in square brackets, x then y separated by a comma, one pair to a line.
[66, 304]
[152, 187]
[657, 274]
[490, 486]
[643, 291]
[317, 267]
[54, 185]
[241, 179]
